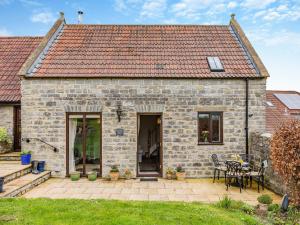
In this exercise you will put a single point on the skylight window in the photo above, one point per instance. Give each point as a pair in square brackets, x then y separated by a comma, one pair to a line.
[215, 64]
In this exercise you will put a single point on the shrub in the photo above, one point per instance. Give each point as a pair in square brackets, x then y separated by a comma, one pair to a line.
[4, 136]
[285, 154]
[114, 169]
[179, 169]
[265, 199]
[169, 171]
[247, 209]
[225, 203]
[25, 152]
[273, 207]
[127, 172]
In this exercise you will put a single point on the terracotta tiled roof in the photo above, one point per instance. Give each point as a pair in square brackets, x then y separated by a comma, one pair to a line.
[129, 51]
[279, 112]
[13, 53]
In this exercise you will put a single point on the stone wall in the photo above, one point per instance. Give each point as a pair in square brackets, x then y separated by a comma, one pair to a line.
[260, 148]
[6, 121]
[46, 101]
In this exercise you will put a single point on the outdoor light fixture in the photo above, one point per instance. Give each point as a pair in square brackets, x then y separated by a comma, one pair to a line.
[119, 111]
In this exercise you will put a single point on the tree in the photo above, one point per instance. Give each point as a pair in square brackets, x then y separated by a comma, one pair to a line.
[285, 155]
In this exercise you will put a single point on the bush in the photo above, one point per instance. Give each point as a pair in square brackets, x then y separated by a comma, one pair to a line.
[265, 199]
[285, 151]
[114, 169]
[25, 152]
[180, 169]
[273, 207]
[4, 136]
[247, 209]
[225, 203]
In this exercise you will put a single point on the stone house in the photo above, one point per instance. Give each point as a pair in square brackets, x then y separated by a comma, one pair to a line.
[13, 53]
[142, 97]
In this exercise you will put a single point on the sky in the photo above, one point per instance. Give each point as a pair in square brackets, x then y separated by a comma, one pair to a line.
[272, 26]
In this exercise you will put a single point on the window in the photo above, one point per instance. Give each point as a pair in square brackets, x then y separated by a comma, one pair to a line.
[215, 64]
[210, 127]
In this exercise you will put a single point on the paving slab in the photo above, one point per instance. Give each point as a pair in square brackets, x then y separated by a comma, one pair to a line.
[196, 190]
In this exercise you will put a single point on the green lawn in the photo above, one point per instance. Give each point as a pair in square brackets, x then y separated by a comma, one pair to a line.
[71, 211]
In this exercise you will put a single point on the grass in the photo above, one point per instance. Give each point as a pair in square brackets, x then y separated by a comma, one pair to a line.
[81, 212]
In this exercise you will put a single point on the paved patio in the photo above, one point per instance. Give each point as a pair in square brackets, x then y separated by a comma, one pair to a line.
[202, 190]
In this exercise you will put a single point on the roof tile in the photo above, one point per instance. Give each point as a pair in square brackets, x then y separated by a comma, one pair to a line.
[136, 50]
[13, 53]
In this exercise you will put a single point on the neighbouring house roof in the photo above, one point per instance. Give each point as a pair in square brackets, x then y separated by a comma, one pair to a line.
[13, 53]
[130, 51]
[281, 106]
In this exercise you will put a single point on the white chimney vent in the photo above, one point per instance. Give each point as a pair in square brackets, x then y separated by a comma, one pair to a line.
[80, 17]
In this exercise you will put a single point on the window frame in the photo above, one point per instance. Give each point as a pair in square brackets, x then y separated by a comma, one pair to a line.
[214, 67]
[220, 113]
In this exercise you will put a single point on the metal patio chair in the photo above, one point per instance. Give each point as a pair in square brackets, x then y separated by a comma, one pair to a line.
[234, 171]
[218, 166]
[258, 176]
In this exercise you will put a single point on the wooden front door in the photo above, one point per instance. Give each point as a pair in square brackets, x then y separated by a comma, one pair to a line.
[17, 128]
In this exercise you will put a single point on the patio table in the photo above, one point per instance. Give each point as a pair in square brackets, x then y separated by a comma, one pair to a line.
[244, 169]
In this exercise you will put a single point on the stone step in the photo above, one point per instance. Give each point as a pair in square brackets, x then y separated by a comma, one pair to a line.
[24, 184]
[12, 170]
[11, 156]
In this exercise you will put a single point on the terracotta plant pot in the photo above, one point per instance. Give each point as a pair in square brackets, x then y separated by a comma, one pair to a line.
[180, 175]
[92, 176]
[114, 176]
[75, 176]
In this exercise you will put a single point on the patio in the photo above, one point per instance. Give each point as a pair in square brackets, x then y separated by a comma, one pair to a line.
[202, 190]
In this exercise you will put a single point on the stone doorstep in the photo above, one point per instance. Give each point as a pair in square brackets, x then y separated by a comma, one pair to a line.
[23, 184]
[12, 174]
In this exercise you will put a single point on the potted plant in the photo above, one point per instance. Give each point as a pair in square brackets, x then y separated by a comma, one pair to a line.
[92, 176]
[180, 172]
[169, 173]
[127, 174]
[114, 173]
[25, 157]
[5, 141]
[75, 176]
[205, 135]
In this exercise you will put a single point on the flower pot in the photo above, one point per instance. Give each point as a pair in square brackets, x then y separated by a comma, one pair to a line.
[75, 176]
[127, 176]
[114, 176]
[25, 159]
[92, 176]
[180, 175]
[1, 184]
[41, 166]
[169, 176]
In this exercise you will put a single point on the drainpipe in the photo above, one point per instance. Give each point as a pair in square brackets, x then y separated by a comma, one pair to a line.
[247, 116]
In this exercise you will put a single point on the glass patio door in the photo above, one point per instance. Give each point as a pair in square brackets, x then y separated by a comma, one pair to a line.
[84, 144]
